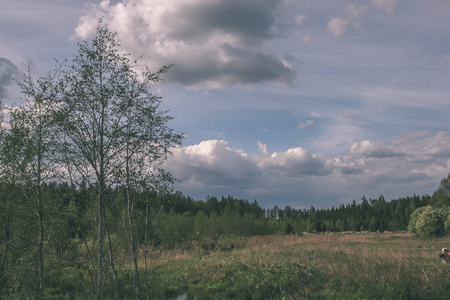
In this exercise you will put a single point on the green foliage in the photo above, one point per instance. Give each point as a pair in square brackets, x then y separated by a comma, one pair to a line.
[289, 229]
[372, 215]
[69, 283]
[442, 196]
[415, 216]
[175, 229]
[430, 221]
[177, 222]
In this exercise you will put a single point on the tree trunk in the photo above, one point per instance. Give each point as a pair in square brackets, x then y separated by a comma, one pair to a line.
[146, 247]
[111, 254]
[41, 250]
[133, 245]
[40, 209]
[101, 210]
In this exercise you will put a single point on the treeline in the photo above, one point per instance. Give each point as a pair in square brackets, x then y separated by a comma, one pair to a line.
[433, 220]
[172, 219]
[368, 215]
[159, 220]
[186, 218]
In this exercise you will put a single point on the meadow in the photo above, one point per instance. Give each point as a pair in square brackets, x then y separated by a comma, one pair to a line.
[313, 266]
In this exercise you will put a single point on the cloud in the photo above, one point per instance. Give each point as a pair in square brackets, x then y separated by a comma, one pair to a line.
[262, 147]
[413, 163]
[352, 15]
[356, 11]
[306, 38]
[7, 72]
[338, 26]
[369, 149]
[299, 19]
[212, 43]
[295, 162]
[212, 164]
[305, 124]
[386, 5]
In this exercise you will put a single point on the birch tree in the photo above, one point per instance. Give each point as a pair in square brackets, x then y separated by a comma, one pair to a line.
[27, 154]
[114, 133]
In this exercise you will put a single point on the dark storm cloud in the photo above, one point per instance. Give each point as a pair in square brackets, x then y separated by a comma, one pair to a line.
[7, 72]
[243, 66]
[212, 44]
[251, 21]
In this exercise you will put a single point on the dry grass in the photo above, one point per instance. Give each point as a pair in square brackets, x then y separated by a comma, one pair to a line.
[342, 261]
[381, 245]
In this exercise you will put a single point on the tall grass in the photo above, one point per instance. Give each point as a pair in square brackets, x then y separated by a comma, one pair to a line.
[320, 266]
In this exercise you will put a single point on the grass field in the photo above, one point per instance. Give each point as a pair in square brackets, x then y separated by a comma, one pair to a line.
[319, 266]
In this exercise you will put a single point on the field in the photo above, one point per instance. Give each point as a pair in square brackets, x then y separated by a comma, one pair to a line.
[319, 266]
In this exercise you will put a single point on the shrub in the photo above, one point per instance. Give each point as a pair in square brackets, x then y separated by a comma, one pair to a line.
[412, 226]
[430, 222]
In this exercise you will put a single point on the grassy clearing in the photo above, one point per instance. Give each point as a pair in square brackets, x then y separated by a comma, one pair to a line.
[320, 266]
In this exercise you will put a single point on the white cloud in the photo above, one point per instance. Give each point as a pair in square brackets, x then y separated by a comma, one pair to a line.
[299, 19]
[295, 162]
[305, 124]
[356, 11]
[338, 26]
[339, 131]
[212, 164]
[212, 43]
[369, 149]
[306, 38]
[262, 147]
[386, 5]
[414, 163]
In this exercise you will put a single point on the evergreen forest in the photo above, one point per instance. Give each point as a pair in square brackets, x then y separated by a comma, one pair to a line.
[160, 221]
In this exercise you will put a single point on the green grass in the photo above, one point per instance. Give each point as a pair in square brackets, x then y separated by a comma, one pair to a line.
[322, 266]
[311, 266]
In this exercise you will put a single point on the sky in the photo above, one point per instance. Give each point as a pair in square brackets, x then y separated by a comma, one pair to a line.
[287, 102]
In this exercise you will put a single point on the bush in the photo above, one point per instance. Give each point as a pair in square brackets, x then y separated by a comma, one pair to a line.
[412, 226]
[430, 222]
